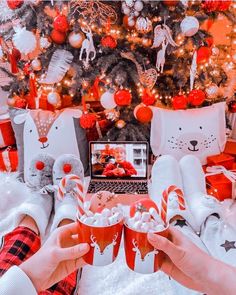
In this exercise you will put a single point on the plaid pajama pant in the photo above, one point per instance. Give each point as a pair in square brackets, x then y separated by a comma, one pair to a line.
[22, 243]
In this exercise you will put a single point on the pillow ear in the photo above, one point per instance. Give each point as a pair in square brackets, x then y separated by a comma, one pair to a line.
[75, 112]
[21, 118]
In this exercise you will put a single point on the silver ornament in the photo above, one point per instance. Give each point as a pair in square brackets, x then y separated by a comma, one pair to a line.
[143, 24]
[44, 43]
[189, 26]
[36, 64]
[54, 99]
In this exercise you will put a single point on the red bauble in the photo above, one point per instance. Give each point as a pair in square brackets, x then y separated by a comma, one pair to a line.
[210, 5]
[88, 121]
[203, 54]
[147, 98]
[61, 24]
[232, 106]
[58, 37]
[109, 41]
[20, 102]
[170, 2]
[39, 165]
[209, 41]
[15, 4]
[224, 5]
[179, 102]
[123, 97]
[126, 23]
[142, 205]
[196, 97]
[143, 113]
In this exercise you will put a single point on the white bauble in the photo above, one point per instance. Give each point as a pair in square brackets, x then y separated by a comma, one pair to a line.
[54, 99]
[124, 5]
[44, 43]
[138, 5]
[36, 64]
[75, 39]
[143, 24]
[212, 90]
[215, 51]
[126, 11]
[131, 22]
[107, 100]
[25, 41]
[129, 3]
[189, 26]
[136, 13]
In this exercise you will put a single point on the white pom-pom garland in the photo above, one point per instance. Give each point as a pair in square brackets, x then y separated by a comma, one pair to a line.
[23, 40]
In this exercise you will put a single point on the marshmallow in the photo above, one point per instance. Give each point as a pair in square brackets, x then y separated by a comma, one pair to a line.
[88, 213]
[137, 216]
[106, 212]
[145, 217]
[88, 220]
[155, 215]
[137, 225]
[87, 205]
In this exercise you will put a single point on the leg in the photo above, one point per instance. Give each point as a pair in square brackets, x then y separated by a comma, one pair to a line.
[18, 246]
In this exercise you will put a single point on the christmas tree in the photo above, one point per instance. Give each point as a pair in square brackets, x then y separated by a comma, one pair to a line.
[123, 56]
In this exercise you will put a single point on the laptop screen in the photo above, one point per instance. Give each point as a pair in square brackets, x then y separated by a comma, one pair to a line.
[118, 160]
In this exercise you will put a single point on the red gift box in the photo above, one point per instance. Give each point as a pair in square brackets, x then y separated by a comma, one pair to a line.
[8, 159]
[230, 148]
[221, 183]
[7, 136]
[222, 159]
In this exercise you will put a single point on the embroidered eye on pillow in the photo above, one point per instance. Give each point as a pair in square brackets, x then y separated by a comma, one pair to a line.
[53, 133]
[200, 132]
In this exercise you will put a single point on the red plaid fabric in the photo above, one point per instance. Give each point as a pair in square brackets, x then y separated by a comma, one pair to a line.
[22, 243]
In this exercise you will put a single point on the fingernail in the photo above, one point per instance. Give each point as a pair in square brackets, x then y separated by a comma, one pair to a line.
[152, 237]
[83, 247]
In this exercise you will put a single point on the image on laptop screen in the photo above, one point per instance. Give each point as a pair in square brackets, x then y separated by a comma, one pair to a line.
[119, 160]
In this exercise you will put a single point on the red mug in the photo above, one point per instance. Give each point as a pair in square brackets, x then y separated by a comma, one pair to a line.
[140, 255]
[104, 242]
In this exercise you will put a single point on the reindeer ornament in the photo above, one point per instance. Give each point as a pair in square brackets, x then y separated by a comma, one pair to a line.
[88, 47]
[163, 37]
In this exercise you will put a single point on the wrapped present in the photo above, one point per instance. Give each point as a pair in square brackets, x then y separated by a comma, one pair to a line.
[7, 136]
[222, 159]
[221, 183]
[230, 147]
[8, 159]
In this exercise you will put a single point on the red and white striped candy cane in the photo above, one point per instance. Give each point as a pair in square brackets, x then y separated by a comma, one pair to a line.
[79, 188]
[165, 198]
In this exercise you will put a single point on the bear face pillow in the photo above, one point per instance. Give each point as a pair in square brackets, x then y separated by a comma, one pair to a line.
[53, 133]
[200, 132]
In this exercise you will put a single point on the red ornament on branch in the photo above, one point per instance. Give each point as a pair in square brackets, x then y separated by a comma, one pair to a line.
[216, 5]
[147, 98]
[58, 37]
[15, 4]
[143, 113]
[232, 106]
[170, 2]
[61, 24]
[123, 97]
[203, 54]
[179, 102]
[87, 120]
[196, 97]
[109, 42]
[224, 5]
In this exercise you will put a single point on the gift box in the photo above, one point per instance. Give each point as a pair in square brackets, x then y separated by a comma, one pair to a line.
[221, 183]
[7, 137]
[222, 159]
[230, 148]
[8, 159]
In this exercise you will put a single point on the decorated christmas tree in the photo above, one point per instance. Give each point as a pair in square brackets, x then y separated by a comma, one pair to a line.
[115, 58]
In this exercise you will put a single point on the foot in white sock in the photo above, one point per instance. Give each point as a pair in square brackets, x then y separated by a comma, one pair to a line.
[39, 205]
[200, 204]
[67, 208]
[166, 172]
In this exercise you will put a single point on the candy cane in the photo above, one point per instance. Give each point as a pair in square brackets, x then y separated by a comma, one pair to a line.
[165, 197]
[78, 191]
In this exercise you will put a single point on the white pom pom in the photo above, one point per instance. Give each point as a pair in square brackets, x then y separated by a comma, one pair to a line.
[24, 41]
[44, 43]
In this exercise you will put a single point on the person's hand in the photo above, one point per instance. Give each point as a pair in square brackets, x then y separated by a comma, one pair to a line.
[118, 171]
[190, 266]
[60, 255]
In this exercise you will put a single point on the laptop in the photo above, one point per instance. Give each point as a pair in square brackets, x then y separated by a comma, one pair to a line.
[119, 167]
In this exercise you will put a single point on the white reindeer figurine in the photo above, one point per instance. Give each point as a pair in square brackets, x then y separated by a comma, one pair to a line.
[88, 46]
[146, 264]
[105, 257]
[161, 57]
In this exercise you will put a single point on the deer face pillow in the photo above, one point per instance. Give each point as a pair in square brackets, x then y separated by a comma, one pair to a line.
[53, 133]
[200, 132]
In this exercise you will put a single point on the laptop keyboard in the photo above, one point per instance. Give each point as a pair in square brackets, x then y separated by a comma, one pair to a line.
[118, 187]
